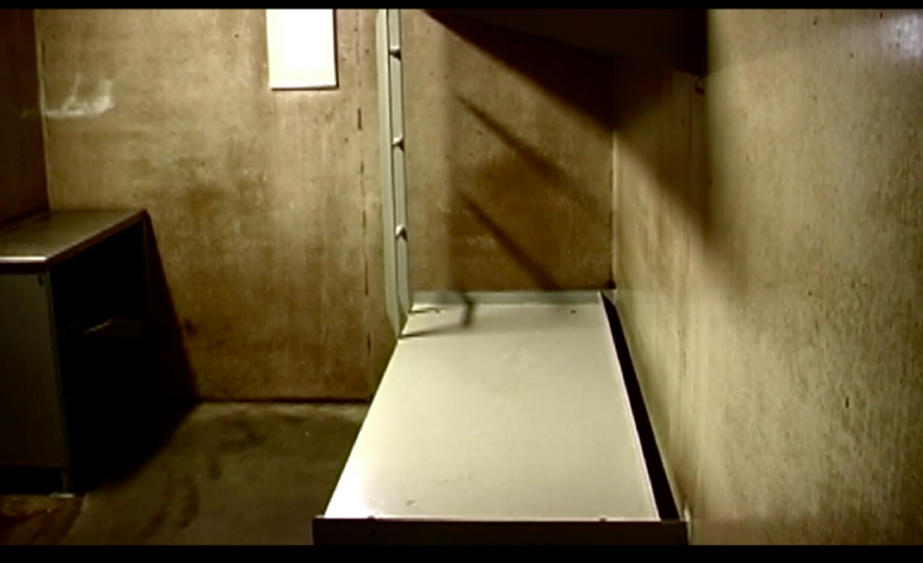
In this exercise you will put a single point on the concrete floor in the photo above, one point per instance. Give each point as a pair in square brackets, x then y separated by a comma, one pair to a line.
[229, 474]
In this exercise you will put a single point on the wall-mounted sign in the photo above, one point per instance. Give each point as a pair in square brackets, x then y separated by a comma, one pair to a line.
[302, 49]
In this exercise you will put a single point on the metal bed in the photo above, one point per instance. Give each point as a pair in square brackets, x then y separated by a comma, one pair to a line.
[502, 417]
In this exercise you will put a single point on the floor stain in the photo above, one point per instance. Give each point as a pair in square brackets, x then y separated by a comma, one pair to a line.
[189, 506]
[244, 437]
[177, 498]
[292, 419]
[36, 520]
[10, 522]
[214, 467]
[155, 524]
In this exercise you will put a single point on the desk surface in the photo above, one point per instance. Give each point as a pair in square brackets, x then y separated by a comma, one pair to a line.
[520, 414]
[46, 239]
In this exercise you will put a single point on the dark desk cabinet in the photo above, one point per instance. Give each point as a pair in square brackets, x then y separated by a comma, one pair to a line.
[74, 340]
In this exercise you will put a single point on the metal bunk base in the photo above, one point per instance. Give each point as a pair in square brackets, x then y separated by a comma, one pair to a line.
[502, 418]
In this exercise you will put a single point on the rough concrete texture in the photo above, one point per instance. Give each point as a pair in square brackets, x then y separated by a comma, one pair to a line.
[259, 199]
[768, 253]
[230, 474]
[266, 205]
[508, 157]
[22, 156]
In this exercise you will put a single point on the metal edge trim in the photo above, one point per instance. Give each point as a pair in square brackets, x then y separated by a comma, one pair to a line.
[568, 297]
[338, 531]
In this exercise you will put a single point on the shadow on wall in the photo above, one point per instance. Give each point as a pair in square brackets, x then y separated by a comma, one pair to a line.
[801, 324]
[540, 60]
[22, 167]
[542, 166]
[172, 373]
[521, 216]
[168, 391]
[663, 190]
[671, 38]
[676, 156]
[662, 135]
[552, 172]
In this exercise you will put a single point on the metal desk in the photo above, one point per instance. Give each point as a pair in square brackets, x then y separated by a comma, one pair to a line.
[47, 239]
[54, 269]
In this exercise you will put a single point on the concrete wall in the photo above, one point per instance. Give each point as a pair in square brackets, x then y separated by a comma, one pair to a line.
[508, 144]
[769, 255]
[22, 159]
[266, 205]
[262, 203]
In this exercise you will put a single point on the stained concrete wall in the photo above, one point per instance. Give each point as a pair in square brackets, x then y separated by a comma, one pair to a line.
[508, 156]
[769, 255]
[22, 159]
[262, 202]
[266, 205]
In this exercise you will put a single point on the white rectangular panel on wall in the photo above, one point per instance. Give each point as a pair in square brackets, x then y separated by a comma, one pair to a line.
[302, 49]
